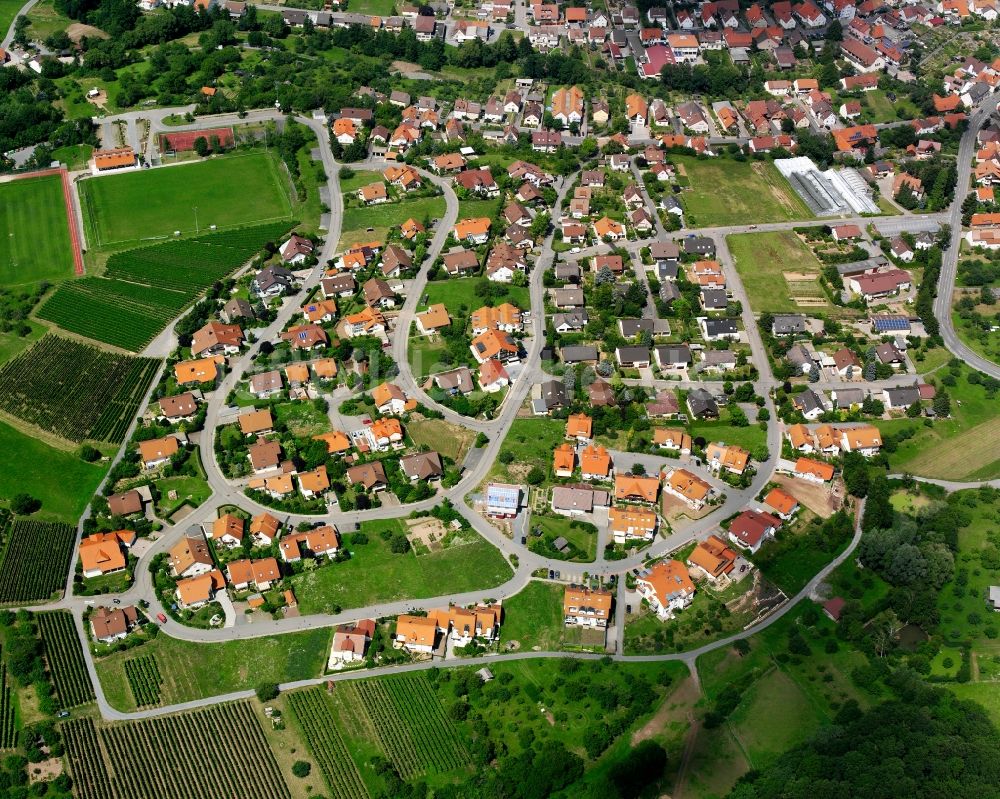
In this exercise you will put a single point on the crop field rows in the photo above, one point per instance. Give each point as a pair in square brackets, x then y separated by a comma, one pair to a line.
[220, 751]
[64, 655]
[75, 390]
[8, 727]
[312, 710]
[35, 560]
[143, 289]
[144, 680]
[411, 726]
[87, 763]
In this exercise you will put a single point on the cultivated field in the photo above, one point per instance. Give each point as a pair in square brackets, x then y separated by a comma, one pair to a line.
[74, 390]
[34, 232]
[130, 208]
[145, 288]
[144, 680]
[8, 716]
[64, 655]
[319, 727]
[410, 725]
[219, 751]
[779, 272]
[35, 560]
[727, 192]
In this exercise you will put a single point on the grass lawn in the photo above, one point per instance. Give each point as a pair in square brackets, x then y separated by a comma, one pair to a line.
[946, 662]
[534, 618]
[764, 261]
[460, 293]
[753, 190]
[774, 716]
[531, 442]
[380, 8]
[375, 574]
[747, 437]
[62, 481]
[448, 439]
[717, 762]
[34, 232]
[195, 670]
[380, 218]
[962, 447]
[358, 179]
[75, 156]
[473, 208]
[582, 536]
[12, 344]
[132, 207]
[302, 418]
[424, 355]
[881, 109]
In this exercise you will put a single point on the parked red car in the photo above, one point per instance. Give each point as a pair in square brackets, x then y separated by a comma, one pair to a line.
[162, 619]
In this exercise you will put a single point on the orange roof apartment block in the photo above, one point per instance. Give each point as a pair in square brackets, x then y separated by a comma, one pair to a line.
[689, 487]
[416, 633]
[585, 607]
[816, 471]
[117, 158]
[634, 488]
[713, 557]
[202, 370]
[579, 426]
[563, 460]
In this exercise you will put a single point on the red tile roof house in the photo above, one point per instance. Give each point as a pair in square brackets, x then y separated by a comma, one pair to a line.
[350, 641]
[752, 528]
[216, 338]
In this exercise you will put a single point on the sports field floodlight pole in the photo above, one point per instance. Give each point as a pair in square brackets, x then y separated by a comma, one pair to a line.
[197, 230]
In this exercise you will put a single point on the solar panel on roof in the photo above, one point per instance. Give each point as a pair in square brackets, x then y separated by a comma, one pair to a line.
[890, 323]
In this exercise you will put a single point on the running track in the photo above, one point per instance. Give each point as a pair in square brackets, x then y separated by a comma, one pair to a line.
[74, 231]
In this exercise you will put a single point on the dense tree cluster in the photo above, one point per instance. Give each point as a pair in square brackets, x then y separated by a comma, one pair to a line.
[927, 745]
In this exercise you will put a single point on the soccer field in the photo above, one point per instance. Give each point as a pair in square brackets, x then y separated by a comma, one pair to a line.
[123, 210]
[34, 233]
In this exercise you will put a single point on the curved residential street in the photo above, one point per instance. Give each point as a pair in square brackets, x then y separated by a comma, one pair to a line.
[225, 491]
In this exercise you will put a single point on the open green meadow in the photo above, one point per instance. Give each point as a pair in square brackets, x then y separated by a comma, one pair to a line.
[727, 192]
[62, 481]
[779, 272]
[460, 297]
[233, 191]
[376, 574]
[34, 232]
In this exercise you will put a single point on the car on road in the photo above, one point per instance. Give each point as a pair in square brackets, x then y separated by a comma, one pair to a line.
[628, 609]
[161, 618]
[574, 250]
[524, 540]
[551, 574]
[117, 601]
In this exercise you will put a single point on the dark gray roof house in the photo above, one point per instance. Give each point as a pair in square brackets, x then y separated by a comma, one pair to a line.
[583, 353]
[809, 403]
[714, 299]
[570, 320]
[568, 272]
[901, 397]
[699, 245]
[669, 291]
[666, 270]
[702, 404]
[674, 355]
[788, 325]
[716, 328]
[553, 394]
[637, 357]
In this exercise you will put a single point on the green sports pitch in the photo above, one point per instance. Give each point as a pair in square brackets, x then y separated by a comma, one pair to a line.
[34, 233]
[150, 204]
